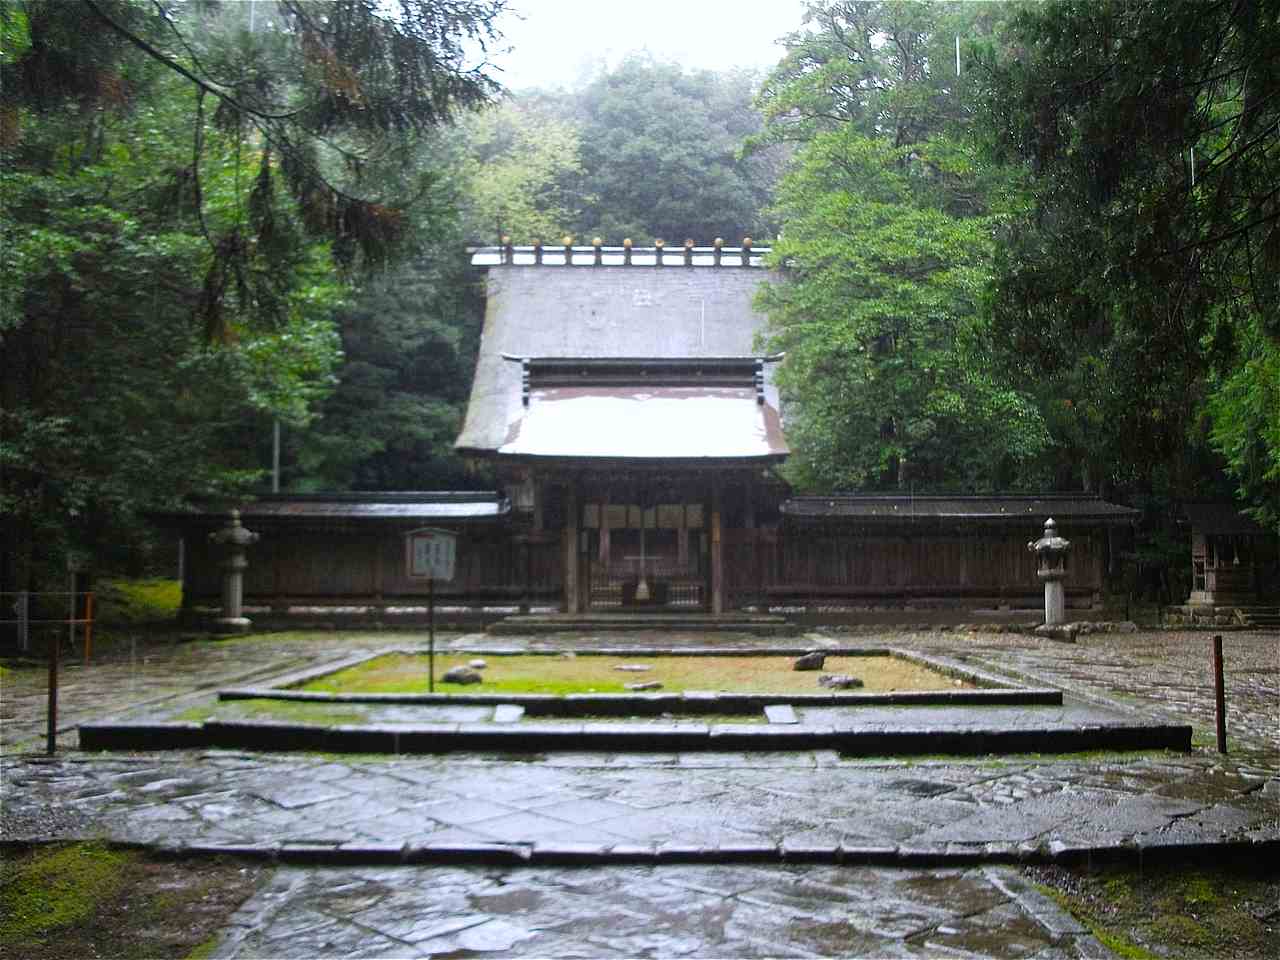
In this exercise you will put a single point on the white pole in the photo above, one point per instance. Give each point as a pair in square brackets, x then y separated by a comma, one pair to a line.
[957, 54]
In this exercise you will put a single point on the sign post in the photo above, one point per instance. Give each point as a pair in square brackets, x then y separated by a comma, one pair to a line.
[430, 555]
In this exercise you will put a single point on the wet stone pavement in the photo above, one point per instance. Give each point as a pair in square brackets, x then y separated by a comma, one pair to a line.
[792, 815]
[683, 911]
[645, 803]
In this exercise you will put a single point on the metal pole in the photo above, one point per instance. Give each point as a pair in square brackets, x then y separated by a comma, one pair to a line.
[431, 634]
[1219, 696]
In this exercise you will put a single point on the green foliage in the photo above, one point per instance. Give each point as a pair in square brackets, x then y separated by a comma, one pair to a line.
[1243, 404]
[183, 204]
[1144, 281]
[137, 601]
[660, 152]
[410, 339]
[888, 214]
[523, 173]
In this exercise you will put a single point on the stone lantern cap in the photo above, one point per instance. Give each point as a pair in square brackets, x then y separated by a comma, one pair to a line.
[234, 534]
[1050, 549]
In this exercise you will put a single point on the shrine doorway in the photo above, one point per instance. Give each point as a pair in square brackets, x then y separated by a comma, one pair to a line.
[646, 556]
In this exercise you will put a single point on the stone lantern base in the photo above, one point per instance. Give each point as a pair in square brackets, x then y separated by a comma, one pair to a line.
[229, 626]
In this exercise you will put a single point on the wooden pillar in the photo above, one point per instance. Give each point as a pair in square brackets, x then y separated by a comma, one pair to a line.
[375, 544]
[717, 553]
[606, 541]
[570, 537]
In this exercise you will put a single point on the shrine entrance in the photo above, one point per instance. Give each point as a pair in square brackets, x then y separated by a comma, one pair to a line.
[646, 556]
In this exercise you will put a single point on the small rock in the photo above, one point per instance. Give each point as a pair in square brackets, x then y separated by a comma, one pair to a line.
[838, 681]
[1065, 632]
[644, 685]
[477, 664]
[460, 675]
[813, 660]
[568, 655]
[633, 667]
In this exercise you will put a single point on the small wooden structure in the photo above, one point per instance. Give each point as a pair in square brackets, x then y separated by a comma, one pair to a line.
[1233, 559]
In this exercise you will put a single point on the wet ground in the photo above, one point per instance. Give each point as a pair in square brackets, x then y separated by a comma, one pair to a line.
[739, 911]
[715, 804]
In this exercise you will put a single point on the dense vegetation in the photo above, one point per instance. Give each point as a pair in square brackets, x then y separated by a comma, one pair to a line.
[1027, 246]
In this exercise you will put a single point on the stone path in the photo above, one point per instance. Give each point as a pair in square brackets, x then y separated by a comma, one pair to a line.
[805, 805]
[597, 804]
[710, 911]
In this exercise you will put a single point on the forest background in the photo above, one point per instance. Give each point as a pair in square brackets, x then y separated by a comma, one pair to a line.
[1027, 247]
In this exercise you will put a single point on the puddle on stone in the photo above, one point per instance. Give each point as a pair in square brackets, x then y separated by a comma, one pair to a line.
[511, 901]
[920, 788]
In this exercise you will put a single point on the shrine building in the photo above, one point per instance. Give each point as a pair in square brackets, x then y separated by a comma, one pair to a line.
[630, 416]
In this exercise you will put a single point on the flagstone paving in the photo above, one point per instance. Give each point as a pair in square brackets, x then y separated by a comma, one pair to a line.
[708, 803]
[698, 801]
[717, 911]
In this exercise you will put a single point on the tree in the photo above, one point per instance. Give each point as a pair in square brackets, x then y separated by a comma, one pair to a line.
[521, 173]
[660, 155]
[888, 215]
[1144, 284]
[182, 204]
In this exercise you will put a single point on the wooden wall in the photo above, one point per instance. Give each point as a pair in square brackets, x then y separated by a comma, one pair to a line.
[763, 565]
[300, 567]
[852, 566]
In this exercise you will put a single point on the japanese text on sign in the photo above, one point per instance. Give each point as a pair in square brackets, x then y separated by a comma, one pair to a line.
[431, 554]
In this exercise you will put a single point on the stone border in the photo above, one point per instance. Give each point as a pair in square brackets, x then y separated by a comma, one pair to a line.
[994, 690]
[539, 854]
[627, 738]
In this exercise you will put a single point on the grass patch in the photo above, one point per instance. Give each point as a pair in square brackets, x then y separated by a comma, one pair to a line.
[550, 674]
[137, 601]
[1173, 910]
[86, 900]
[292, 711]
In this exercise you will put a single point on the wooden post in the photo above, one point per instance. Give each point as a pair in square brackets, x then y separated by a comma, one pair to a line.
[54, 650]
[717, 553]
[1219, 695]
[431, 634]
[88, 626]
[571, 548]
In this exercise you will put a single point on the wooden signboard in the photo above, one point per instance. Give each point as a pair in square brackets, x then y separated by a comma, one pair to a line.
[430, 554]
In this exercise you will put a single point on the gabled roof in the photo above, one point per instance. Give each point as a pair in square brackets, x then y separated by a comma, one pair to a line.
[620, 323]
[1221, 519]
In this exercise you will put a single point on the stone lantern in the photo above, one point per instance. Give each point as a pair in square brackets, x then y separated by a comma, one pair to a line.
[1051, 556]
[235, 538]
